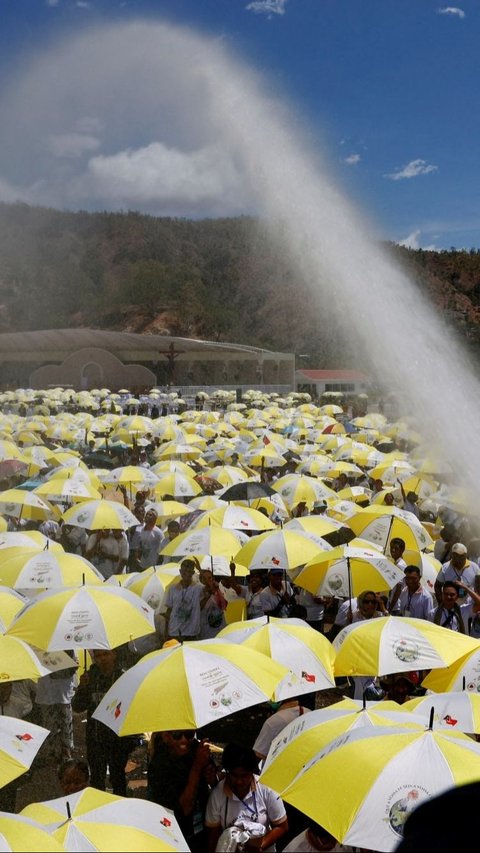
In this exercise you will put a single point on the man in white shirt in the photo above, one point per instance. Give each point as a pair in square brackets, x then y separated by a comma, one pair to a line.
[147, 541]
[414, 600]
[458, 568]
[288, 711]
[277, 596]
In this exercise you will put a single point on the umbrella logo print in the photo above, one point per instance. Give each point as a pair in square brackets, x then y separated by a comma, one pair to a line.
[449, 721]
[406, 650]
[401, 808]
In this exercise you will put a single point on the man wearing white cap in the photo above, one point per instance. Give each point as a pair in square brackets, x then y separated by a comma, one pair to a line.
[458, 568]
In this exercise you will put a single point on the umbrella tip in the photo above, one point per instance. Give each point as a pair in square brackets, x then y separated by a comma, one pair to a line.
[69, 813]
[430, 722]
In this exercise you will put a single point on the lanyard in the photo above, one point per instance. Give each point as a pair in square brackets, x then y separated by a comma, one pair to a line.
[253, 812]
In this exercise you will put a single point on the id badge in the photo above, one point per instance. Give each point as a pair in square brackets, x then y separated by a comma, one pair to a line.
[407, 613]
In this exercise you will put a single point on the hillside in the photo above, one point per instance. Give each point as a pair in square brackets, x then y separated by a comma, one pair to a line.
[219, 279]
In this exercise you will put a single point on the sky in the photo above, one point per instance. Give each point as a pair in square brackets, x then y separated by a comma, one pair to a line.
[108, 105]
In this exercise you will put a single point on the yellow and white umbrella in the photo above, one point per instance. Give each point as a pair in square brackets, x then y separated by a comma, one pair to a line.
[220, 567]
[207, 540]
[462, 674]
[39, 570]
[18, 834]
[19, 503]
[205, 680]
[348, 570]
[232, 517]
[19, 744]
[294, 644]
[295, 488]
[100, 515]
[380, 524]
[69, 490]
[96, 820]
[176, 484]
[372, 778]
[88, 617]
[149, 586]
[306, 735]
[167, 510]
[277, 549]
[11, 602]
[19, 660]
[454, 711]
[391, 644]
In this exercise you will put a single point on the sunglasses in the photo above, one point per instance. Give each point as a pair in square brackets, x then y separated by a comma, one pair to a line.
[370, 601]
[178, 735]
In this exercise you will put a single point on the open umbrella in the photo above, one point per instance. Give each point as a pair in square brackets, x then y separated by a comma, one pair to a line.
[11, 602]
[306, 735]
[18, 834]
[455, 711]
[277, 549]
[247, 491]
[380, 524]
[348, 570]
[19, 744]
[20, 660]
[393, 644]
[100, 515]
[19, 503]
[462, 674]
[235, 518]
[204, 680]
[294, 644]
[96, 820]
[372, 778]
[208, 540]
[295, 488]
[88, 617]
[34, 570]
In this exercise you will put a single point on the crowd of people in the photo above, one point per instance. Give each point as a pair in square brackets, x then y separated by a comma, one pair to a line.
[222, 801]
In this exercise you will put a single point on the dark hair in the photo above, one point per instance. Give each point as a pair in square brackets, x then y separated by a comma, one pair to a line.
[412, 568]
[235, 755]
[452, 584]
[397, 541]
[74, 763]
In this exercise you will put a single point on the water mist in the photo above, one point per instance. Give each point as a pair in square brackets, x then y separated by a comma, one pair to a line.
[174, 80]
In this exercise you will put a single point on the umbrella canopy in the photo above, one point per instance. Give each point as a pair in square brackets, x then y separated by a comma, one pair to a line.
[176, 484]
[452, 711]
[149, 585]
[208, 540]
[19, 744]
[462, 674]
[100, 515]
[381, 524]
[19, 503]
[11, 603]
[348, 570]
[34, 569]
[308, 734]
[68, 490]
[205, 680]
[91, 617]
[277, 549]
[371, 778]
[294, 644]
[20, 660]
[96, 820]
[384, 645]
[247, 491]
[18, 833]
[235, 518]
[295, 488]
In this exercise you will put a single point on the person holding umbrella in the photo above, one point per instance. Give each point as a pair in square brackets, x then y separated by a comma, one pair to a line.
[104, 748]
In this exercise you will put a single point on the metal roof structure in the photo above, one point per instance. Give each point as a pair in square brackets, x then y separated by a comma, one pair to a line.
[48, 343]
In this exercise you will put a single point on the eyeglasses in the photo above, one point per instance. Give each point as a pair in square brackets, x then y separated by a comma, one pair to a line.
[178, 735]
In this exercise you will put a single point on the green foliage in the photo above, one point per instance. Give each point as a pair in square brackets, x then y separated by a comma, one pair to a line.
[222, 279]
